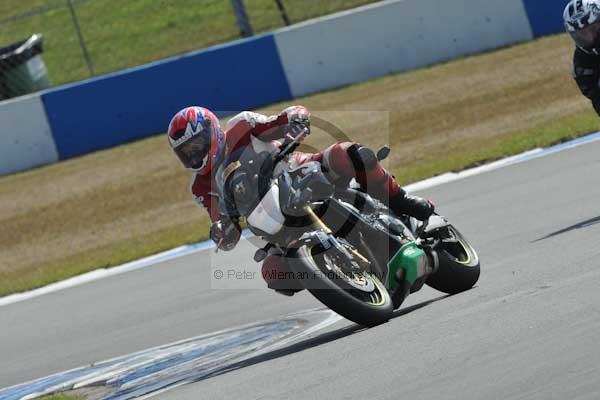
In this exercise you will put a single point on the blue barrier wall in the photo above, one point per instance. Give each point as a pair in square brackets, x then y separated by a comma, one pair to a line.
[136, 103]
[545, 16]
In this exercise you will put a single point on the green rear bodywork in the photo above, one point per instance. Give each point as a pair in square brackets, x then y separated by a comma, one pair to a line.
[411, 259]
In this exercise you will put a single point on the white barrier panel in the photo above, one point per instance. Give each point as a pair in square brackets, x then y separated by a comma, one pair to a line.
[25, 136]
[394, 36]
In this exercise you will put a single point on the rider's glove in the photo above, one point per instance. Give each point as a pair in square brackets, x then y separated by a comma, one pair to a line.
[298, 121]
[297, 127]
[225, 233]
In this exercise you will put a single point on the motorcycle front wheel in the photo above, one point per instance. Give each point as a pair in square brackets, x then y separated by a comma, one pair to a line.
[357, 296]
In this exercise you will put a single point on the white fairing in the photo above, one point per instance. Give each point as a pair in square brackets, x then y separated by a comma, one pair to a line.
[267, 215]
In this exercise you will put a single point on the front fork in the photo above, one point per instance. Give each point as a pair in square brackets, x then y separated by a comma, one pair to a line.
[351, 253]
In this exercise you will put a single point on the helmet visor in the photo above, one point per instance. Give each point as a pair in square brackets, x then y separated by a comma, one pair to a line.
[193, 153]
[588, 38]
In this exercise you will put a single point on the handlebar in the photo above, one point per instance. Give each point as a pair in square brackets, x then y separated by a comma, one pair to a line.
[289, 146]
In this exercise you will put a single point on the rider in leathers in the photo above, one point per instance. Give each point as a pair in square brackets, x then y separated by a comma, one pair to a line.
[582, 22]
[196, 137]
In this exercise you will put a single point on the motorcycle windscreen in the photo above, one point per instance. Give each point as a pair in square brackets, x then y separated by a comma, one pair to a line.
[267, 215]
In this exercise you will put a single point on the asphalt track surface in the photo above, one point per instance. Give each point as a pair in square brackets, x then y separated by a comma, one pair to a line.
[529, 330]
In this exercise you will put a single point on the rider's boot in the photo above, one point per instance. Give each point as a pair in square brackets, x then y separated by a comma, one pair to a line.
[418, 207]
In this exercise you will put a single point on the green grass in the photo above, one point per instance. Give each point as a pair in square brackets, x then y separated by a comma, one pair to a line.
[127, 33]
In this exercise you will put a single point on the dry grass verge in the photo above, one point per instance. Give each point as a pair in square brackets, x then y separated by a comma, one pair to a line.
[62, 396]
[116, 205]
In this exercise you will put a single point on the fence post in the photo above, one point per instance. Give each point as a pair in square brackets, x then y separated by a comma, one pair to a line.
[242, 18]
[283, 13]
[86, 55]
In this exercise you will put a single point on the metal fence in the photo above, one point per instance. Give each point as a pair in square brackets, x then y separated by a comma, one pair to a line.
[85, 38]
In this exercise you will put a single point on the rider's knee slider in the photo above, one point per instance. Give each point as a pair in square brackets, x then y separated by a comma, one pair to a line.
[363, 158]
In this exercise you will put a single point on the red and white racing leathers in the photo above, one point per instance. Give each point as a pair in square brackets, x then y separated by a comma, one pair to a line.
[261, 132]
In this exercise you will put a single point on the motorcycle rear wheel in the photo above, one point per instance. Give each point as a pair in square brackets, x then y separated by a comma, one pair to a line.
[459, 268]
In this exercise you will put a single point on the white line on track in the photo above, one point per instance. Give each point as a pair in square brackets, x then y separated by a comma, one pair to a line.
[198, 247]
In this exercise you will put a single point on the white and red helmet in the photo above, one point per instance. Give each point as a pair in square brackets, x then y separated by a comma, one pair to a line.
[196, 137]
[582, 21]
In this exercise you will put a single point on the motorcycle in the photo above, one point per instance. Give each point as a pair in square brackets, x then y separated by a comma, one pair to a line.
[349, 250]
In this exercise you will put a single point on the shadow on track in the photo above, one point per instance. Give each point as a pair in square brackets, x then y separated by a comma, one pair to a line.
[580, 225]
[314, 342]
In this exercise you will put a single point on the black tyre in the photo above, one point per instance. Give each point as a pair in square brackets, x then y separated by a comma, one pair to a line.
[332, 288]
[458, 264]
